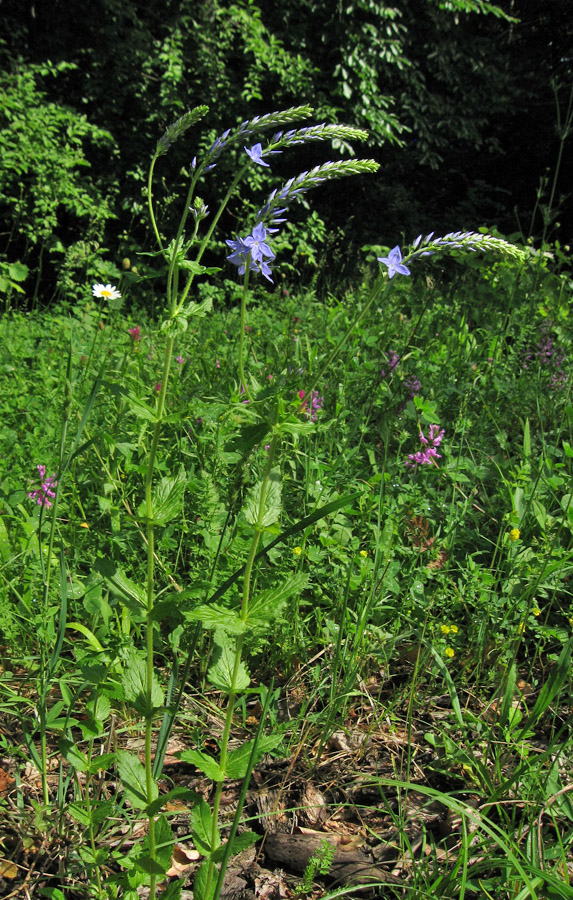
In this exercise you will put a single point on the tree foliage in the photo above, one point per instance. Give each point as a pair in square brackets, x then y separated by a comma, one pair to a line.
[443, 87]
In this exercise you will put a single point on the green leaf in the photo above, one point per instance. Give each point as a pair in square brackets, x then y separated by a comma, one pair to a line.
[220, 674]
[240, 842]
[238, 760]
[200, 883]
[272, 502]
[268, 605]
[163, 842]
[134, 683]
[141, 409]
[181, 792]
[173, 890]
[132, 776]
[98, 811]
[150, 866]
[209, 766]
[130, 593]
[214, 616]
[201, 823]
[168, 498]
[75, 757]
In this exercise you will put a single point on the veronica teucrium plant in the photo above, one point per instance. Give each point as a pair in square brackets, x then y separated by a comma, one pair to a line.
[255, 142]
[253, 253]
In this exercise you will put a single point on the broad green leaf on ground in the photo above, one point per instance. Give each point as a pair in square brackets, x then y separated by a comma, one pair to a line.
[167, 502]
[220, 673]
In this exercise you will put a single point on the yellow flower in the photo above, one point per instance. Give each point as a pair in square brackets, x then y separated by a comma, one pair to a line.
[445, 629]
[297, 551]
[84, 525]
[454, 629]
[449, 651]
[364, 553]
[536, 611]
[514, 534]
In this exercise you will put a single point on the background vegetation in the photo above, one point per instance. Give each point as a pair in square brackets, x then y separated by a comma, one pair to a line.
[460, 103]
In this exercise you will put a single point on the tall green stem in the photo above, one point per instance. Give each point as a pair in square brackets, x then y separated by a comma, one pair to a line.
[150, 528]
[247, 581]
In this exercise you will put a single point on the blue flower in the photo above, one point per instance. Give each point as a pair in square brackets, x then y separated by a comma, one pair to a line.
[394, 262]
[252, 250]
[257, 244]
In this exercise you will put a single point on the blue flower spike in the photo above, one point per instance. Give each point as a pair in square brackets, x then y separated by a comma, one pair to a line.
[394, 262]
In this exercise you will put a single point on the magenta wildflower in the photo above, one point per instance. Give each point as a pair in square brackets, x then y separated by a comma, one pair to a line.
[429, 453]
[217, 364]
[135, 333]
[180, 360]
[158, 386]
[316, 404]
[45, 493]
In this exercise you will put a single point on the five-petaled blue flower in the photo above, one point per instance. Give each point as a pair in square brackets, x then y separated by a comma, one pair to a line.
[394, 262]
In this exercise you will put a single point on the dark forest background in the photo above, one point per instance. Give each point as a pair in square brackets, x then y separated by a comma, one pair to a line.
[465, 103]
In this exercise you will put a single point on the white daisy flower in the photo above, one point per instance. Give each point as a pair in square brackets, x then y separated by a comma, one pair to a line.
[107, 291]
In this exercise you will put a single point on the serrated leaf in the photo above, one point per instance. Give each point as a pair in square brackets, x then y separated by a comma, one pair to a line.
[130, 593]
[200, 883]
[132, 776]
[164, 842]
[209, 766]
[201, 822]
[198, 309]
[75, 757]
[272, 503]
[267, 606]
[249, 436]
[240, 842]
[134, 683]
[214, 616]
[168, 498]
[291, 426]
[149, 866]
[181, 793]
[141, 409]
[173, 890]
[238, 760]
[220, 674]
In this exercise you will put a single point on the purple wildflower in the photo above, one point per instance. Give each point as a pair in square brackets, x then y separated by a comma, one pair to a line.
[392, 359]
[180, 360]
[135, 334]
[413, 386]
[316, 404]
[45, 493]
[429, 453]
[394, 262]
